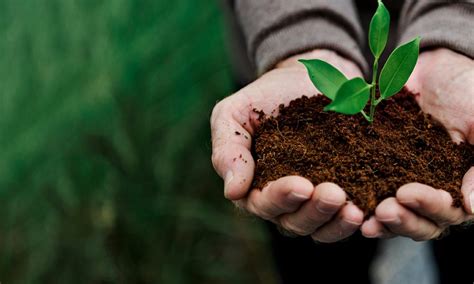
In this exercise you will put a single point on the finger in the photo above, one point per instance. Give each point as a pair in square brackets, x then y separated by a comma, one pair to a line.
[347, 221]
[430, 203]
[467, 189]
[456, 136]
[231, 155]
[284, 195]
[374, 229]
[327, 200]
[401, 221]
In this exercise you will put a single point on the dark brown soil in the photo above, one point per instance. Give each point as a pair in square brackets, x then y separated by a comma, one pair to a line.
[370, 162]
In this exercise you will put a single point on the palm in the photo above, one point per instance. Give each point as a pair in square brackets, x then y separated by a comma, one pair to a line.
[279, 86]
[282, 85]
[292, 202]
[445, 82]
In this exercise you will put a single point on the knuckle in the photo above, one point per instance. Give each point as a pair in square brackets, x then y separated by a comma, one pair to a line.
[285, 232]
[457, 221]
[278, 206]
[436, 210]
[451, 219]
[406, 218]
[264, 216]
[445, 223]
[409, 226]
[259, 210]
[214, 158]
[217, 110]
[417, 237]
[412, 230]
[292, 227]
[277, 198]
[317, 238]
[428, 235]
[321, 238]
[252, 209]
[217, 158]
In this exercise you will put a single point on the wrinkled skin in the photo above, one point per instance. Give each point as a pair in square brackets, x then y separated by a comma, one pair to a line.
[292, 202]
[321, 211]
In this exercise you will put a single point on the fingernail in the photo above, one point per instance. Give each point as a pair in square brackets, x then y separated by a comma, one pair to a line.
[349, 226]
[396, 221]
[227, 180]
[297, 197]
[326, 208]
[411, 204]
[471, 199]
[375, 236]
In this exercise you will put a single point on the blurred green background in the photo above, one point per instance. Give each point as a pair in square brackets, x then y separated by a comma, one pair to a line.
[105, 173]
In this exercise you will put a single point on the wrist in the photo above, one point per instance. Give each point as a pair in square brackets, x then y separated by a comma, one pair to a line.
[346, 66]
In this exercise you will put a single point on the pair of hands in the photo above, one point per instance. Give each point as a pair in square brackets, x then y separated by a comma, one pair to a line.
[446, 81]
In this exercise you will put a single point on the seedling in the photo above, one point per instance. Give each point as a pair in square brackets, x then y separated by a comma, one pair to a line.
[351, 96]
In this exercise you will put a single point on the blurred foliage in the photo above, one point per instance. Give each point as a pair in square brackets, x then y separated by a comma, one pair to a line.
[105, 173]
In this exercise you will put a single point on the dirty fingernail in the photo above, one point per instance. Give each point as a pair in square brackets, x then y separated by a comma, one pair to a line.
[227, 180]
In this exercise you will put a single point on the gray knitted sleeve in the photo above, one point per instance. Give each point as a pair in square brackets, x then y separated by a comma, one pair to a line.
[440, 23]
[277, 29]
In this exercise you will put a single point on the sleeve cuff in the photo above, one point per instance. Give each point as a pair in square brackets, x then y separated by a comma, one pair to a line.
[313, 33]
[449, 26]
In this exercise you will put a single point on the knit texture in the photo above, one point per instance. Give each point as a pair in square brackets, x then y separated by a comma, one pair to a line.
[277, 29]
[440, 23]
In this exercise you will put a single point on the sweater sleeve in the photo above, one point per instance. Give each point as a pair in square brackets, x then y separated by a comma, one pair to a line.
[277, 29]
[440, 23]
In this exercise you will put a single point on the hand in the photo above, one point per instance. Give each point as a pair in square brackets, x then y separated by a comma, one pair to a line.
[291, 202]
[444, 81]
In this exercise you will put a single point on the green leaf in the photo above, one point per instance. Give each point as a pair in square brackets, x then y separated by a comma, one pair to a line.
[379, 30]
[351, 97]
[324, 76]
[398, 68]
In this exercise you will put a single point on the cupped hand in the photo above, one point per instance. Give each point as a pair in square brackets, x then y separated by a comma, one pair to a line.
[444, 82]
[292, 202]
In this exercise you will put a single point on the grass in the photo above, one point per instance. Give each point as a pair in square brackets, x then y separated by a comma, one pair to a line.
[105, 173]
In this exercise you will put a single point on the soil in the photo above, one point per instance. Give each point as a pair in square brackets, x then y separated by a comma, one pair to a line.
[369, 161]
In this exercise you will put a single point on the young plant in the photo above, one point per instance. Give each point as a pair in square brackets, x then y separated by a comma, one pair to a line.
[351, 96]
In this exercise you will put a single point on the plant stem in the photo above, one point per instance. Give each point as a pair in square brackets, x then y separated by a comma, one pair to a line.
[373, 90]
[365, 115]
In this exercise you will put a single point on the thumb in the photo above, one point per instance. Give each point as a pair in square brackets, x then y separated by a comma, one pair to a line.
[231, 155]
[456, 136]
[234, 163]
